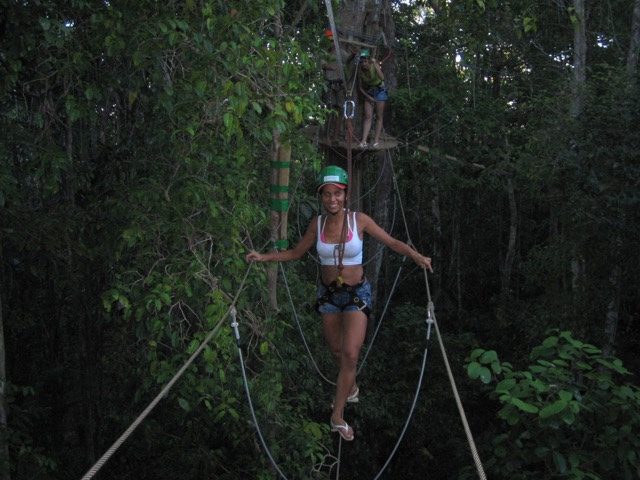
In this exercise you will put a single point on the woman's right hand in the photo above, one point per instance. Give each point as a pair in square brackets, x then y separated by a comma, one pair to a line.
[254, 256]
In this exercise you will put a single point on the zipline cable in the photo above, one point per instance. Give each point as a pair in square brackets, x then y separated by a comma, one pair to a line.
[234, 326]
[98, 465]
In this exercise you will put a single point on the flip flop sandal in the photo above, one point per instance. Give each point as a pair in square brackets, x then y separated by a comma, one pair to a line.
[342, 430]
[352, 398]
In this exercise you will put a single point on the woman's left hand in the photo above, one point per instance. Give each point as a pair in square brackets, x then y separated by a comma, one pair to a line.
[424, 262]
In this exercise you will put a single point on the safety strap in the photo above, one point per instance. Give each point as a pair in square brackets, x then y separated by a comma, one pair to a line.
[341, 245]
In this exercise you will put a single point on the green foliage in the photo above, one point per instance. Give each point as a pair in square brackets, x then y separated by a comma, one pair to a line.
[132, 134]
[31, 457]
[134, 171]
[567, 414]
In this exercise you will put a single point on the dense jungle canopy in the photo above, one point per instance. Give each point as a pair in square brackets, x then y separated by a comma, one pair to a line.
[136, 155]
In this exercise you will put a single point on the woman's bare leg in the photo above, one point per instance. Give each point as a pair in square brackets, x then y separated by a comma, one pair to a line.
[379, 120]
[344, 335]
[368, 117]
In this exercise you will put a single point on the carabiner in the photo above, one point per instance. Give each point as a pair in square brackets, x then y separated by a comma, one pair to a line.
[349, 109]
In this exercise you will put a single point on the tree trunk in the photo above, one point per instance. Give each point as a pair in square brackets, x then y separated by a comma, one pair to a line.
[613, 313]
[281, 162]
[4, 447]
[511, 249]
[579, 19]
[634, 45]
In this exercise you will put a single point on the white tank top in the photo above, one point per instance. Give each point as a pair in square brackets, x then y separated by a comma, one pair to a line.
[328, 252]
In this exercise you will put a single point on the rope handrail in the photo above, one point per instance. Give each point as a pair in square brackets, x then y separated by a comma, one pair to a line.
[463, 417]
[107, 455]
[431, 310]
[382, 316]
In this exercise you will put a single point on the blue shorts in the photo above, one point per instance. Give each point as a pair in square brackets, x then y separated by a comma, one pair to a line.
[378, 93]
[344, 299]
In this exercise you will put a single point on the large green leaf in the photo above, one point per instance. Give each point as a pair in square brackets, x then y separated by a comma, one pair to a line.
[553, 409]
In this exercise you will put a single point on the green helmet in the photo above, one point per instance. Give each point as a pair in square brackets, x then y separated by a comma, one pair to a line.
[364, 53]
[332, 175]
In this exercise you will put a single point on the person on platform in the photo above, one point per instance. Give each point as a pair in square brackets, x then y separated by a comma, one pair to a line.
[371, 86]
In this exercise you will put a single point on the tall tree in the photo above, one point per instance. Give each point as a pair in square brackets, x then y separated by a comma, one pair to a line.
[4, 443]
[634, 44]
[579, 18]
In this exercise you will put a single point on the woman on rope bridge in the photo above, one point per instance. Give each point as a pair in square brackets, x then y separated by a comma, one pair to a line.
[344, 295]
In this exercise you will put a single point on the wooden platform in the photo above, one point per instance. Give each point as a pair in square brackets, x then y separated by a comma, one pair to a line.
[315, 134]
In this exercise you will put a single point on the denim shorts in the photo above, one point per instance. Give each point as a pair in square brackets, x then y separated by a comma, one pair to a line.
[343, 301]
[378, 93]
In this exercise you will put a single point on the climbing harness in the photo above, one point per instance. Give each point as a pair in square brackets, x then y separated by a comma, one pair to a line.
[351, 290]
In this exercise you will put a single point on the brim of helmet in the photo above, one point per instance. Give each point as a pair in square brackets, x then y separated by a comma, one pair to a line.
[339, 185]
